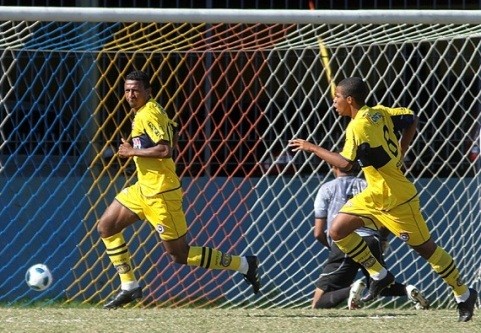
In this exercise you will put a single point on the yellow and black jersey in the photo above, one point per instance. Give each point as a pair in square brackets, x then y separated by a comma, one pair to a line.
[152, 125]
[371, 140]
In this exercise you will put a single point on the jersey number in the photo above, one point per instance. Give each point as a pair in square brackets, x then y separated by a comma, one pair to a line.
[392, 146]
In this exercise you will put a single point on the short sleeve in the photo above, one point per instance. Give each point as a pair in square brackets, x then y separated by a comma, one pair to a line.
[350, 146]
[321, 203]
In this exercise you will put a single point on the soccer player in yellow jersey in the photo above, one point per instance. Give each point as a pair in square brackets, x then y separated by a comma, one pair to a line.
[390, 199]
[157, 198]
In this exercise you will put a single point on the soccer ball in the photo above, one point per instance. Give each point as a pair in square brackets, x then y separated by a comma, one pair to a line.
[38, 277]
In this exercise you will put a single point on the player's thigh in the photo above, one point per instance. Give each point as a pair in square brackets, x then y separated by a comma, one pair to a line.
[358, 208]
[164, 211]
[338, 272]
[407, 223]
[122, 212]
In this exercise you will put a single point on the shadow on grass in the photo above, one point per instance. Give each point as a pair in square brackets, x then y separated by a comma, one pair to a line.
[334, 315]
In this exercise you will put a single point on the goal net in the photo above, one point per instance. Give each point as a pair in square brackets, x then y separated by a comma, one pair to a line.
[240, 86]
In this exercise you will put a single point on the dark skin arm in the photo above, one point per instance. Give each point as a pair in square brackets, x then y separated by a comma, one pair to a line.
[333, 158]
[407, 135]
[161, 150]
[319, 228]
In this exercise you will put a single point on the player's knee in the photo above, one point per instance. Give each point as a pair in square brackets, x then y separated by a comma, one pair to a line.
[178, 258]
[107, 227]
[335, 234]
[102, 228]
[178, 255]
[344, 225]
[427, 249]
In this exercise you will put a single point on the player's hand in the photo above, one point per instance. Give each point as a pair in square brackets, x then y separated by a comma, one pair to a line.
[125, 149]
[301, 145]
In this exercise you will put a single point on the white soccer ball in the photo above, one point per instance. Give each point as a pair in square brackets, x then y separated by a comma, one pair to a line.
[38, 277]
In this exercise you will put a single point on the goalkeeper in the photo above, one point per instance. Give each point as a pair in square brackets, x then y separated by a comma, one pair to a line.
[335, 284]
[390, 199]
[157, 198]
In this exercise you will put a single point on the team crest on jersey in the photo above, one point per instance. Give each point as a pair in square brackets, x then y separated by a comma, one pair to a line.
[160, 229]
[374, 117]
[404, 236]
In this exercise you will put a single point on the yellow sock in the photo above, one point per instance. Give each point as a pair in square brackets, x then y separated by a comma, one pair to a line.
[212, 259]
[355, 247]
[120, 257]
[443, 264]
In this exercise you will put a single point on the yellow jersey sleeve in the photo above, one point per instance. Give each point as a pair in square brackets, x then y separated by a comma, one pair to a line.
[153, 122]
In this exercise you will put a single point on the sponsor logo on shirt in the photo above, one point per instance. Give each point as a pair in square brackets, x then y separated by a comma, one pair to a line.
[154, 129]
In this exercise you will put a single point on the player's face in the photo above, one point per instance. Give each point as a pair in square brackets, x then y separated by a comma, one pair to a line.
[341, 103]
[135, 94]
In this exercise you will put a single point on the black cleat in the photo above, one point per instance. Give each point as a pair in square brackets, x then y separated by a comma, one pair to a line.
[376, 286]
[252, 276]
[124, 297]
[466, 308]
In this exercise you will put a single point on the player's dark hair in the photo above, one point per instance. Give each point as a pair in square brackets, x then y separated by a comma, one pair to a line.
[356, 88]
[139, 76]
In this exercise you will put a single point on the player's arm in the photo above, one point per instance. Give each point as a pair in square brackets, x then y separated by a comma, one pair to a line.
[407, 134]
[175, 139]
[333, 158]
[320, 231]
[160, 150]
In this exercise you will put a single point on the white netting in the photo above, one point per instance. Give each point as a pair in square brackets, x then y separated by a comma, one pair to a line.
[240, 92]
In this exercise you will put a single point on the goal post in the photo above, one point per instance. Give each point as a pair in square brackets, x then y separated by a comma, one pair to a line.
[241, 83]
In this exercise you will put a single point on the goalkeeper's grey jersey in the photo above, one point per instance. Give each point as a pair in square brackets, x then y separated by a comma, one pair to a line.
[332, 195]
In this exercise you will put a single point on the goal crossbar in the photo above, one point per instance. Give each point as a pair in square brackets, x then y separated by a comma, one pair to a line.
[247, 16]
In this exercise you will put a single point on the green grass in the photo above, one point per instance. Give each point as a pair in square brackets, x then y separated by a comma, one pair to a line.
[94, 319]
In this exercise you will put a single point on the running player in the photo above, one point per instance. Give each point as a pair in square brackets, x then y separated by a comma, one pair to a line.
[390, 199]
[336, 283]
[157, 198]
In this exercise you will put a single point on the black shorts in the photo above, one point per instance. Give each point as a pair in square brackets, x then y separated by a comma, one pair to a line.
[340, 270]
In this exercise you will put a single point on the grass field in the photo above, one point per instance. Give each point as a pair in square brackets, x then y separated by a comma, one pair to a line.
[90, 320]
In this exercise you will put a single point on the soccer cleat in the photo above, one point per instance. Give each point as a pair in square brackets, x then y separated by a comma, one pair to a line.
[124, 297]
[466, 308]
[354, 300]
[252, 276]
[420, 302]
[376, 286]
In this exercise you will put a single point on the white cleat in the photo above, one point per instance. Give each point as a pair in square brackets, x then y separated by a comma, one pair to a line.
[354, 301]
[420, 302]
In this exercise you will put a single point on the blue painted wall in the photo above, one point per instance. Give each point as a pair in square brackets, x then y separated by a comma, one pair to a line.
[47, 226]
